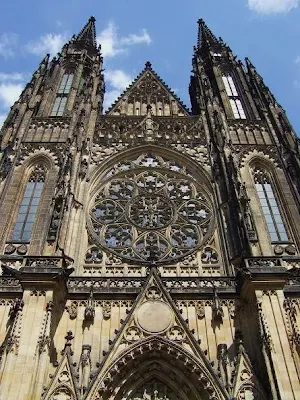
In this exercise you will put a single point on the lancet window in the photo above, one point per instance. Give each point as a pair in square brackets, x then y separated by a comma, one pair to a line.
[29, 205]
[270, 207]
[232, 93]
[62, 95]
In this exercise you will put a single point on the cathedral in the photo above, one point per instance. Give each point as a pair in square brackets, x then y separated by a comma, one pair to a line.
[150, 251]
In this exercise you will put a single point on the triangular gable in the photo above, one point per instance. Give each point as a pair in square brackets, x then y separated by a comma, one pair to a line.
[148, 89]
[245, 382]
[154, 320]
[63, 381]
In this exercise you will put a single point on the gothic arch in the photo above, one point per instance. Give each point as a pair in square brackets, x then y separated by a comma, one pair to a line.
[257, 162]
[198, 172]
[62, 392]
[148, 199]
[259, 156]
[28, 158]
[170, 364]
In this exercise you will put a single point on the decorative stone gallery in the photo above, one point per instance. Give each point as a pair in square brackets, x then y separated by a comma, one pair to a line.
[149, 252]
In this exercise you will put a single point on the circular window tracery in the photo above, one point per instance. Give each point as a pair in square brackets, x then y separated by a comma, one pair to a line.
[145, 215]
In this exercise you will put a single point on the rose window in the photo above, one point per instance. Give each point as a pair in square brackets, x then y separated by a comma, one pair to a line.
[146, 216]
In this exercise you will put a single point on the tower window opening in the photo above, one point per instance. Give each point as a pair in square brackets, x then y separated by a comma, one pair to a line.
[235, 102]
[237, 109]
[62, 95]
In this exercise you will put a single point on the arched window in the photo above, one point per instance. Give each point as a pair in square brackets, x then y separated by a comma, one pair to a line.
[29, 205]
[270, 206]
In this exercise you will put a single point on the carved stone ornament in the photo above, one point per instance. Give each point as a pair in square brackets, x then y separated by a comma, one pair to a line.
[106, 309]
[217, 309]
[146, 216]
[72, 310]
[200, 309]
[154, 317]
[89, 312]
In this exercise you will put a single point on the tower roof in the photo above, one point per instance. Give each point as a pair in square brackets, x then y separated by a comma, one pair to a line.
[87, 35]
[205, 35]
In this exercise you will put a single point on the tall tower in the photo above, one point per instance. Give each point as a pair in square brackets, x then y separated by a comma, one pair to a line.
[149, 252]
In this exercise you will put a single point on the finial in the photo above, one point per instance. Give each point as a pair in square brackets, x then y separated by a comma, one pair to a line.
[148, 65]
[92, 19]
[200, 21]
[217, 309]
[89, 312]
[67, 349]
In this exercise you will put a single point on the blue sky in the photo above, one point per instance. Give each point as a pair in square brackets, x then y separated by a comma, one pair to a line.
[161, 31]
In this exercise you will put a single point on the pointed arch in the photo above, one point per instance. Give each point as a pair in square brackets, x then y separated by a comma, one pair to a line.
[35, 179]
[29, 204]
[170, 157]
[164, 186]
[268, 206]
[62, 392]
[171, 364]
[267, 187]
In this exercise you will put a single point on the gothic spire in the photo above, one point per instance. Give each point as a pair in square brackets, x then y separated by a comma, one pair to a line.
[87, 35]
[205, 35]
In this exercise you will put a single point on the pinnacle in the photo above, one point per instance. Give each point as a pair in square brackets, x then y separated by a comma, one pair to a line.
[87, 35]
[205, 35]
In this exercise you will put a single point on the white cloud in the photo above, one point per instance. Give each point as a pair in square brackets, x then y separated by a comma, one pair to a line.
[272, 6]
[112, 44]
[50, 43]
[108, 40]
[8, 42]
[136, 39]
[117, 80]
[9, 93]
[297, 61]
[14, 76]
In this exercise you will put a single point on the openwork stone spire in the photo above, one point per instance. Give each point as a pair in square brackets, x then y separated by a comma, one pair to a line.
[88, 33]
[205, 35]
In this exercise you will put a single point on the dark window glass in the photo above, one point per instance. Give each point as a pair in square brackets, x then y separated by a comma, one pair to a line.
[29, 206]
[62, 95]
[270, 207]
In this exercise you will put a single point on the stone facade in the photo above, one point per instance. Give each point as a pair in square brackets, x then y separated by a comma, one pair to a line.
[150, 252]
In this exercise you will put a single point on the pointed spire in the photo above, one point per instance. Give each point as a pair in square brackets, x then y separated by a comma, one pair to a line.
[87, 35]
[205, 35]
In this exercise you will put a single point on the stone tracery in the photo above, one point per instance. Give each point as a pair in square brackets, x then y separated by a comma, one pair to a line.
[142, 214]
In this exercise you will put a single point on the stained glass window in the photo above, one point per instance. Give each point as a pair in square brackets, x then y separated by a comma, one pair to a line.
[270, 207]
[143, 214]
[29, 206]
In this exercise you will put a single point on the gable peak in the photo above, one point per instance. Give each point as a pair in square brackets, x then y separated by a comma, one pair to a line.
[147, 89]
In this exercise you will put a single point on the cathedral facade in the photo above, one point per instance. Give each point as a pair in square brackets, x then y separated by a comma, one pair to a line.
[151, 251]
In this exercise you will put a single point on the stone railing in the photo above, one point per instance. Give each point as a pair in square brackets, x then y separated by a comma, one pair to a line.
[134, 285]
[41, 262]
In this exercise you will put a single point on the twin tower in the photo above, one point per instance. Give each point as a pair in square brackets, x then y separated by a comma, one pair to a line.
[152, 251]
